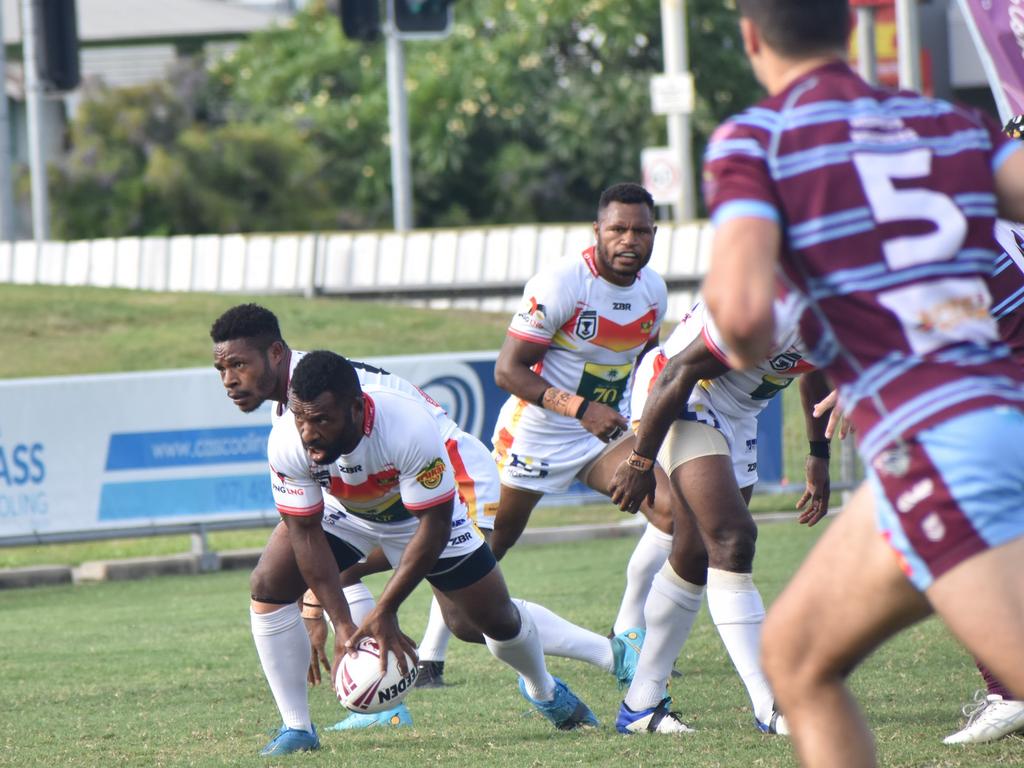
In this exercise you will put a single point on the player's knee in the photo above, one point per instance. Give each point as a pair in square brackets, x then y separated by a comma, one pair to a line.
[732, 547]
[265, 589]
[660, 515]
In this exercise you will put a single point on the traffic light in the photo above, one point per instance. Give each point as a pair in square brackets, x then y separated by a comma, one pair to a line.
[423, 17]
[360, 19]
[58, 37]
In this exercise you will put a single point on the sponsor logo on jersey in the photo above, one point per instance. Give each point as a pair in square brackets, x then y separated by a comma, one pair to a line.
[286, 490]
[533, 313]
[622, 306]
[785, 361]
[586, 324]
[321, 475]
[350, 470]
[430, 476]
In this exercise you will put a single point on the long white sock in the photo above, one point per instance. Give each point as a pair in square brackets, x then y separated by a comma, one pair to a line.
[738, 612]
[360, 601]
[650, 554]
[283, 648]
[524, 654]
[671, 609]
[434, 645]
[560, 637]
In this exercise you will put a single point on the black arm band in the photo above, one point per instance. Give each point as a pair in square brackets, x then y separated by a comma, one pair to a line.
[582, 409]
[820, 449]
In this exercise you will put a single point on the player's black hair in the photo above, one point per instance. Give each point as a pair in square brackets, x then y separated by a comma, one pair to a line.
[627, 193]
[322, 371]
[247, 321]
[799, 28]
[1014, 127]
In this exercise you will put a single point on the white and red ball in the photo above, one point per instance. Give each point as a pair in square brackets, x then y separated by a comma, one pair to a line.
[363, 687]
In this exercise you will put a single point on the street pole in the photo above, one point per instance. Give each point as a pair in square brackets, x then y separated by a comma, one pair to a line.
[34, 101]
[6, 190]
[908, 35]
[676, 55]
[398, 125]
[867, 55]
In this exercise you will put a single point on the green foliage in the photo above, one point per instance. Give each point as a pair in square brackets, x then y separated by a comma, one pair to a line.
[524, 113]
[239, 177]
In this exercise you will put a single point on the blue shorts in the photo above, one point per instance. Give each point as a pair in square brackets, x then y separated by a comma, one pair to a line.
[952, 491]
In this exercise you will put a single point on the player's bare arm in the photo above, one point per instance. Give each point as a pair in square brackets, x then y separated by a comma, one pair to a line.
[514, 373]
[419, 557]
[813, 503]
[740, 286]
[1009, 181]
[632, 483]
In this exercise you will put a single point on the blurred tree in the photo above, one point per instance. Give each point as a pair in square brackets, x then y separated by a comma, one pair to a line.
[524, 113]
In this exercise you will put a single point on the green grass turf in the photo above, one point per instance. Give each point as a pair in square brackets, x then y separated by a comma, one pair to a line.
[163, 673]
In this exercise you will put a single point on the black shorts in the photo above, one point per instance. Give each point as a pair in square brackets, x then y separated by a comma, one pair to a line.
[448, 573]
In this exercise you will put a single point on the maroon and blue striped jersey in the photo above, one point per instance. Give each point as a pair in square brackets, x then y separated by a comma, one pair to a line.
[887, 205]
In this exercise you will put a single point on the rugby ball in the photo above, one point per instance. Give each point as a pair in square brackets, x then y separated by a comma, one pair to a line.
[363, 687]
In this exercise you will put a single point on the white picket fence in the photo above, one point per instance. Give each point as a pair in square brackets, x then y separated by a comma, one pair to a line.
[479, 268]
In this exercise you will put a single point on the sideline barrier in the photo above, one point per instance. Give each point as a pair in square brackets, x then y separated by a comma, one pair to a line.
[114, 455]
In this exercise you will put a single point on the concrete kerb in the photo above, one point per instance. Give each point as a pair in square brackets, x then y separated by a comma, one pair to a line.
[243, 559]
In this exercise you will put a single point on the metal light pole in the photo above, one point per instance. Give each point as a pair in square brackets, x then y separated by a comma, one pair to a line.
[677, 62]
[398, 125]
[6, 191]
[908, 32]
[867, 55]
[33, 101]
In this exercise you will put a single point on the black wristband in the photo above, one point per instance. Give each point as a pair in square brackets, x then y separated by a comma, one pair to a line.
[820, 449]
[582, 409]
[540, 400]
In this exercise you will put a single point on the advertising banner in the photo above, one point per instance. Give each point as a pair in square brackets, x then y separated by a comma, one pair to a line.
[166, 448]
[997, 27]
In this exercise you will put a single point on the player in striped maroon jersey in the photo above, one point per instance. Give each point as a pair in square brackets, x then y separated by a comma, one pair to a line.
[877, 208]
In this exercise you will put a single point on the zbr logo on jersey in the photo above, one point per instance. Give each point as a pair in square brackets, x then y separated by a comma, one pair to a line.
[430, 476]
[586, 325]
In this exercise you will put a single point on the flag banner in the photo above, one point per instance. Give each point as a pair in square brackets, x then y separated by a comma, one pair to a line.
[997, 27]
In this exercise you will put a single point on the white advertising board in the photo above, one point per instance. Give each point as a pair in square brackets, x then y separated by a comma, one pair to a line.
[140, 450]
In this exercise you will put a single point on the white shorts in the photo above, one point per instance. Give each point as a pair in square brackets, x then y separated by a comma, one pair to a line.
[550, 466]
[364, 536]
[477, 477]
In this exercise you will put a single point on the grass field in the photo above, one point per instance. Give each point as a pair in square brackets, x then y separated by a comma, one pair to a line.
[163, 673]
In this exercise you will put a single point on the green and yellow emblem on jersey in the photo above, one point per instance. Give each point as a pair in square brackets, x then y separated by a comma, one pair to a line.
[430, 476]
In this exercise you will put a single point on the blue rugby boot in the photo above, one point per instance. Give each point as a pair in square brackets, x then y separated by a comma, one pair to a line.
[565, 711]
[651, 720]
[626, 651]
[395, 717]
[290, 740]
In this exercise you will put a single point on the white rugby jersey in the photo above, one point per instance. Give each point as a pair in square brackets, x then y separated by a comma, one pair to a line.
[594, 331]
[374, 377]
[737, 393]
[399, 467]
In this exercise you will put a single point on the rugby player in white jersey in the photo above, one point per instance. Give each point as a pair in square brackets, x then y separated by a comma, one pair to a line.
[699, 418]
[255, 364]
[369, 469]
[567, 363]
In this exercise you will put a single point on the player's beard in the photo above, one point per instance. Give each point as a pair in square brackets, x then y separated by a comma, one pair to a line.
[607, 261]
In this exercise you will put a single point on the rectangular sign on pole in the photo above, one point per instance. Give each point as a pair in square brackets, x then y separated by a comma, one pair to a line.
[997, 28]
